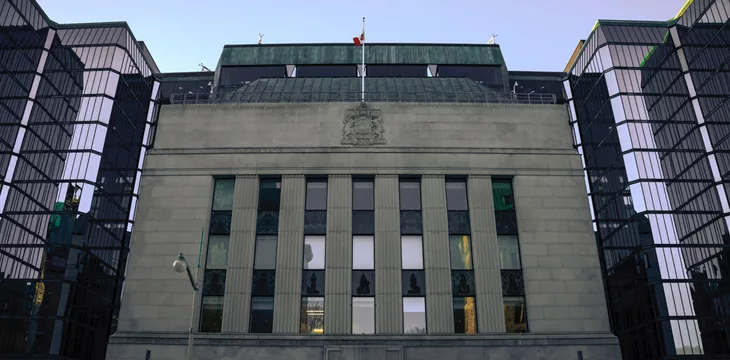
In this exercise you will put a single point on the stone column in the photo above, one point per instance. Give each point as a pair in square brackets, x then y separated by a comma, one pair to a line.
[289, 247]
[439, 306]
[485, 252]
[241, 245]
[338, 256]
[388, 292]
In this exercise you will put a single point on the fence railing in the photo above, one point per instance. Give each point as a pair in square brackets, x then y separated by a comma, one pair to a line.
[354, 96]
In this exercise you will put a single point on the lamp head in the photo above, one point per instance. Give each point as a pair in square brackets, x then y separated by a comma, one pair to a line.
[180, 265]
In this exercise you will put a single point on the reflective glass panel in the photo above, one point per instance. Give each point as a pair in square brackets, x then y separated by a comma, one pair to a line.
[410, 195]
[459, 223]
[262, 314]
[363, 252]
[465, 315]
[265, 257]
[312, 317]
[363, 315]
[515, 317]
[313, 252]
[363, 197]
[411, 252]
[220, 222]
[269, 194]
[217, 256]
[411, 223]
[316, 195]
[313, 282]
[462, 282]
[211, 316]
[264, 282]
[414, 315]
[214, 282]
[456, 195]
[460, 248]
[363, 283]
[509, 252]
[315, 222]
[223, 194]
[414, 283]
[267, 222]
[502, 194]
[363, 222]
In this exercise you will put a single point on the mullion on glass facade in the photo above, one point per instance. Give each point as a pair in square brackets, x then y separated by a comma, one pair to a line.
[413, 277]
[513, 288]
[214, 279]
[462, 268]
[363, 256]
[313, 263]
[264, 274]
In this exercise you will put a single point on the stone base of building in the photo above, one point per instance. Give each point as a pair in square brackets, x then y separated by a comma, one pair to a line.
[170, 346]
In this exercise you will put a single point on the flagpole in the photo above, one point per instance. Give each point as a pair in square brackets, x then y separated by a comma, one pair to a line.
[362, 71]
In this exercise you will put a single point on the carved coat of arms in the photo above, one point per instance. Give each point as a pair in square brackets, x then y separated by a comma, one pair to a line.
[363, 125]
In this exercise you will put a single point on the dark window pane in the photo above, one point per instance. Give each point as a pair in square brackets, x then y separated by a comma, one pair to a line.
[314, 253]
[315, 222]
[513, 283]
[223, 194]
[262, 314]
[316, 195]
[211, 316]
[312, 71]
[460, 249]
[312, 319]
[214, 283]
[396, 70]
[459, 223]
[267, 222]
[269, 194]
[515, 316]
[363, 222]
[462, 282]
[265, 256]
[411, 223]
[363, 197]
[220, 223]
[217, 257]
[363, 283]
[456, 195]
[264, 282]
[414, 283]
[502, 193]
[410, 195]
[239, 75]
[363, 315]
[313, 282]
[506, 222]
[465, 315]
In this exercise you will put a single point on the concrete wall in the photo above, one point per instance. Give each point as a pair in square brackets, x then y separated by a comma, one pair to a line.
[565, 303]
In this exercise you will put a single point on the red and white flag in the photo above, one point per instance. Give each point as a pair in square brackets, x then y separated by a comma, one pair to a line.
[360, 40]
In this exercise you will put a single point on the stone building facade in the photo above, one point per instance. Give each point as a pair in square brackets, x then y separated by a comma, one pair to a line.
[364, 231]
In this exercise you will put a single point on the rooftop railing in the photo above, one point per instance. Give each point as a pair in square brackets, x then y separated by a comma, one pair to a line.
[355, 96]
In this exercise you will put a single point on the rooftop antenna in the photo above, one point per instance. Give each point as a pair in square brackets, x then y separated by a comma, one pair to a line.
[203, 67]
[492, 40]
[261, 38]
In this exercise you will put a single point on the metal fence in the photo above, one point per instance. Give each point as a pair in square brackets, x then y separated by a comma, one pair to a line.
[354, 96]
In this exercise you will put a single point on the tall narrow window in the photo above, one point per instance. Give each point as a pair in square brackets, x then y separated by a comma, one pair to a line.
[513, 289]
[363, 256]
[462, 273]
[264, 274]
[413, 278]
[214, 278]
[313, 258]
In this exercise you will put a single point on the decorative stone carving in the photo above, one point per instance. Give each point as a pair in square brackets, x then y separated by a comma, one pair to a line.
[363, 126]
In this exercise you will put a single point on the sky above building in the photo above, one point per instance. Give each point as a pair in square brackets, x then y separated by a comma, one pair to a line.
[533, 34]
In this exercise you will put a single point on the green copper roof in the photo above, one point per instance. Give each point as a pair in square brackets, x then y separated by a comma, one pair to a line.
[334, 54]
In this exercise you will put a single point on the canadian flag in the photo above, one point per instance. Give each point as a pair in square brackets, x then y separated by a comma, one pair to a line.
[360, 40]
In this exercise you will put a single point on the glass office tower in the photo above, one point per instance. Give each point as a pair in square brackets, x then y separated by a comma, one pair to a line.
[650, 115]
[77, 110]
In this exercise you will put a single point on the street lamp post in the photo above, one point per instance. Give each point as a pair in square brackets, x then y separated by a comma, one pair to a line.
[180, 265]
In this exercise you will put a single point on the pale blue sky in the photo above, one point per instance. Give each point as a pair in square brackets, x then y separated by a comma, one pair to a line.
[533, 34]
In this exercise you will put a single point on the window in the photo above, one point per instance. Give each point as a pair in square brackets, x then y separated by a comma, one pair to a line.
[269, 195]
[414, 283]
[363, 252]
[414, 315]
[265, 257]
[363, 283]
[217, 256]
[460, 249]
[363, 315]
[314, 252]
[262, 314]
[465, 315]
[223, 194]
[456, 195]
[312, 315]
[212, 314]
[502, 194]
[411, 252]
[316, 195]
[509, 252]
[313, 282]
[515, 316]
[363, 196]
[410, 195]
